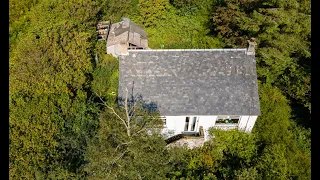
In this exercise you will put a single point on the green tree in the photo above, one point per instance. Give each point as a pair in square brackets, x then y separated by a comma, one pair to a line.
[282, 29]
[273, 125]
[233, 150]
[18, 19]
[32, 142]
[50, 109]
[284, 147]
[152, 11]
[273, 163]
[105, 75]
[128, 144]
[247, 174]
[183, 30]
[114, 10]
[227, 18]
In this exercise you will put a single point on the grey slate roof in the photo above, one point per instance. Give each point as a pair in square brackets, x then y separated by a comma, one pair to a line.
[132, 27]
[192, 82]
[127, 31]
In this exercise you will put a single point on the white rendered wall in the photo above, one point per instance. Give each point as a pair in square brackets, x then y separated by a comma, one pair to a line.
[115, 50]
[206, 122]
[243, 122]
[250, 124]
[175, 123]
[110, 50]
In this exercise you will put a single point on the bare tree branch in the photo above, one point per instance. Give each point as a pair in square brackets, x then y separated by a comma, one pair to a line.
[125, 143]
[123, 121]
[136, 133]
[127, 113]
[114, 112]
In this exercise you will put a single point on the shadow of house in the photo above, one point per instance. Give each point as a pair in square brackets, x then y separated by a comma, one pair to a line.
[137, 99]
[139, 110]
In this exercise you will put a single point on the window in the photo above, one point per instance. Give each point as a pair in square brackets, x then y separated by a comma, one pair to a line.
[193, 123]
[228, 119]
[164, 119]
[186, 124]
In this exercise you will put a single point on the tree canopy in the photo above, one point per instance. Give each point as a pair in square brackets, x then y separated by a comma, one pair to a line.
[64, 118]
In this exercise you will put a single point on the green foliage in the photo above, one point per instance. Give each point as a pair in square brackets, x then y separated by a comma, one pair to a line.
[187, 7]
[233, 142]
[113, 154]
[78, 125]
[179, 157]
[282, 29]
[302, 137]
[192, 37]
[152, 11]
[273, 125]
[184, 30]
[51, 117]
[61, 68]
[48, 134]
[18, 20]
[302, 155]
[105, 77]
[284, 54]
[230, 154]
[226, 20]
[59, 129]
[184, 3]
[273, 162]
[284, 146]
[32, 135]
[247, 174]
[202, 163]
[234, 150]
[115, 10]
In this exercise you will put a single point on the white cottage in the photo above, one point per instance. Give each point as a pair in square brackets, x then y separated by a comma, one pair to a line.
[194, 87]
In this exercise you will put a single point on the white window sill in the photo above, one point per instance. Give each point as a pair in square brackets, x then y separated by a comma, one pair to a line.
[226, 125]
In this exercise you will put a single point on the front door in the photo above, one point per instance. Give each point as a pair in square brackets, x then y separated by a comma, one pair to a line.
[191, 123]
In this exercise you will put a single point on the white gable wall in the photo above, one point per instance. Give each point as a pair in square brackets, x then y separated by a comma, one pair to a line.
[177, 123]
[243, 122]
[206, 122]
[251, 122]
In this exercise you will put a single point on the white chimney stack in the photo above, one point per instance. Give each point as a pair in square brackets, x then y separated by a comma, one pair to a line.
[251, 48]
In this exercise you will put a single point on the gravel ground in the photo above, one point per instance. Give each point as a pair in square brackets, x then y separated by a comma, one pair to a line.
[191, 143]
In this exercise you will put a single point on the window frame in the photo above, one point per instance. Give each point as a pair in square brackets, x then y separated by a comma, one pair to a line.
[228, 120]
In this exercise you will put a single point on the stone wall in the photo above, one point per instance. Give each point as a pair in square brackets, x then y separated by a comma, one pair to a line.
[113, 40]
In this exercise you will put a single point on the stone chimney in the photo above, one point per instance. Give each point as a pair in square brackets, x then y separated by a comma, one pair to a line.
[251, 48]
[125, 22]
